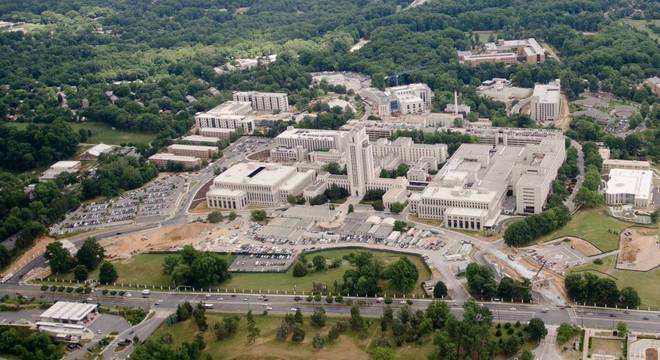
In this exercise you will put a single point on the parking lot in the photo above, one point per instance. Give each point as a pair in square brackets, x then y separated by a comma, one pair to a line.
[262, 262]
[557, 256]
[157, 198]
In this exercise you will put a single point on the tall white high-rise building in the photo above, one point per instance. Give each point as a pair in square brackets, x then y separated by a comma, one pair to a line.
[359, 161]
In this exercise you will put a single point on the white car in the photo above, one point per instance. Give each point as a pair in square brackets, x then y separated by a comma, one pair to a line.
[245, 299]
[402, 302]
[269, 308]
[128, 294]
[294, 309]
[220, 298]
[513, 309]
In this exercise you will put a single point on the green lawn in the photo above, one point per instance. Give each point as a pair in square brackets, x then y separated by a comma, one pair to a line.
[646, 283]
[286, 281]
[348, 346]
[102, 133]
[146, 269]
[593, 226]
[641, 25]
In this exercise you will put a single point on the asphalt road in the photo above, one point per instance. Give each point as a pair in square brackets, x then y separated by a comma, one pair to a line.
[637, 320]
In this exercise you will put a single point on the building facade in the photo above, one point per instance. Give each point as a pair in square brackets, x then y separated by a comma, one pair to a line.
[546, 102]
[263, 101]
[200, 151]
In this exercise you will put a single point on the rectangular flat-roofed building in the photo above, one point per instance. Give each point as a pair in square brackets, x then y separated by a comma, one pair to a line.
[263, 101]
[199, 139]
[610, 164]
[200, 151]
[629, 187]
[546, 102]
[219, 133]
[510, 52]
[312, 139]
[163, 159]
[229, 115]
[262, 184]
[69, 313]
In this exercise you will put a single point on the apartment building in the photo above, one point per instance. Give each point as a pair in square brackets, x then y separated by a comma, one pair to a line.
[255, 183]
[546, 102]
[200, 151]
[263, 101]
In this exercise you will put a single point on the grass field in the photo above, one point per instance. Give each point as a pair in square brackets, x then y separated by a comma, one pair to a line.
[348, 346]
[146, 269]
[646, 283]
[102, 133]
[593, 226]
[641, 25]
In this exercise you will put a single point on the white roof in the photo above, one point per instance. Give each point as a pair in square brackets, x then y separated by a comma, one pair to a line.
[550, 93]
[201, 139]
[625, 181]
[72, 311]
[294, 133]
[172, 157]
[256, 173]
[65, 165]
[193, 147]
[99, 149]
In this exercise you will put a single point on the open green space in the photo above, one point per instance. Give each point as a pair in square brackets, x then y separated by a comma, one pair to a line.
[348, 346]
[286, 281]
[103, 133]
[646, 283]
[147, 269]
[594, 226]
[642, 25]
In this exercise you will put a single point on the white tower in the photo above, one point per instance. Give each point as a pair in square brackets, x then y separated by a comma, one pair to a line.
[359, 161]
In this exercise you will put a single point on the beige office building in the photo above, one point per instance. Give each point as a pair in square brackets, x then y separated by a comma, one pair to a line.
[263, 101]
[610, 164]
[200, 151]
[163, 159]
[546, 102]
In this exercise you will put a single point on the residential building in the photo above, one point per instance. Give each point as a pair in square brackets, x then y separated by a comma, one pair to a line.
[200, 151]
[546, 102]
[629, 187]
[163, 159]
[263, 101]
[255, 183]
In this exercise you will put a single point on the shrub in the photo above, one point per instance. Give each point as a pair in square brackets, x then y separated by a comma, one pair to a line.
[598, 262]
[388, 300]
[69, 289]
[317, 298]
[339, 299]
[113, 292]
[53, 288]
[498, 333]
[79, 290]
[105, 292]
[60, 288]
[44, 287]
[309, 298]
[328, 299]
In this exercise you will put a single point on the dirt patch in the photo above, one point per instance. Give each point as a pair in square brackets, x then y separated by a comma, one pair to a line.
[161, 239]
[564, 122]
[37, 249]
[640, 249]
[584, 247]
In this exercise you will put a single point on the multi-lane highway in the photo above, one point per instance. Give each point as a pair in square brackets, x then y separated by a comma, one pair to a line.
[637, 320]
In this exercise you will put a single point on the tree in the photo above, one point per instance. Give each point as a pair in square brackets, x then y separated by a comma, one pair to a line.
[298, 317]
[510, 346]
[566, 332]
[402, 169]
[232, 216]
[5, 256]
[319, 317]
[400, 225]
[536, 330]
[59, 259]
[80, 273]
[334, 168]
[402, 275]
[319, 263]
[282, 331]
[252, 330]
[439, 290]
[299, 270]
[298, 333]
[480, 281]
[629, 298]
[318, 342]
[439, 314]
[357, 323]
[199, 315]
[444, 348]
[350, 208]
[258, 215]
[397, 207]
[91, 253]
[107, 273]
[526, 355]
[622, 328]
[184, 311]
[214, 217]
[382, 353]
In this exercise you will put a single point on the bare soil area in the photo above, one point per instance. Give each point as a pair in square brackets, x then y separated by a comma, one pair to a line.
[640, 249]
[584, 247]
